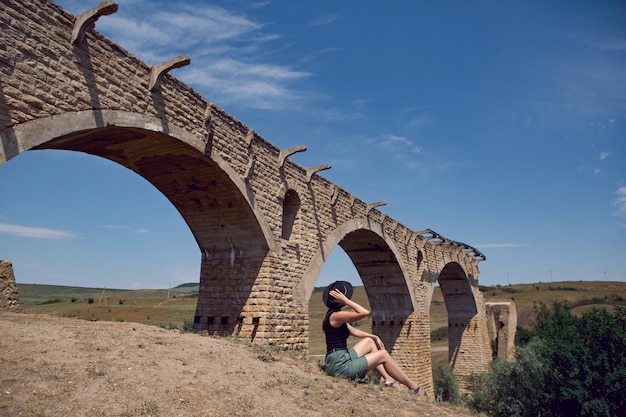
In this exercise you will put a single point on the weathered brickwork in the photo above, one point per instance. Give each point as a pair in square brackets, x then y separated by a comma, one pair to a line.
[9, 299]
[502, 326]
[230, 184]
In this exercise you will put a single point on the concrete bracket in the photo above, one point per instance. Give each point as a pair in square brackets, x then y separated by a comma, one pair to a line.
[314, 170]
[334, 196]
[249, 138]
[208, 125]
[286, 153]
[249, 168]
[88, 19]
[159, 70]
[371, 206]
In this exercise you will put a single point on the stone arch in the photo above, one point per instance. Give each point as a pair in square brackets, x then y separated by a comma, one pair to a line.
[466, 318]
[338, 237]
[382, 273]
[291, 207]
[206, 191]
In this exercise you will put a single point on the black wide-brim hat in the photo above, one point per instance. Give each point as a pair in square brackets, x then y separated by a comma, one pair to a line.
[343, 287]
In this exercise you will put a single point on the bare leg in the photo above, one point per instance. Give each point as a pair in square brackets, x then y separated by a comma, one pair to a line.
[382, 357]
[366, 346]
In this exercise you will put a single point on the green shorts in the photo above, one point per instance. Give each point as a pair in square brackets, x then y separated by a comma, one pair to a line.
[346, 363]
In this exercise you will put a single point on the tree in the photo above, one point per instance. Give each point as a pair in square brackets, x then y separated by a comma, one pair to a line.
[573, 365]
[586, 356]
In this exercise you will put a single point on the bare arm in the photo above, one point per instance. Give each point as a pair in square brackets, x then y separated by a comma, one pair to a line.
[362, 335]
[358, 311]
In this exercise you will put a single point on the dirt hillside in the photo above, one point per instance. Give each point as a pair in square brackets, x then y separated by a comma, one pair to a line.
[53, 366]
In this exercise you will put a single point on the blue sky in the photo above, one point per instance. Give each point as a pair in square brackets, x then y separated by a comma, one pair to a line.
[498, 124]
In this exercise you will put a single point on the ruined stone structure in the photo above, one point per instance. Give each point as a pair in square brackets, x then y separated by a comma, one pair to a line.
[264, 225]
[502, 325]
[9, 299]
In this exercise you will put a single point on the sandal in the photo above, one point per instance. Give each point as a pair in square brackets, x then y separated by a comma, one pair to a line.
[392, 384]
[419, 392]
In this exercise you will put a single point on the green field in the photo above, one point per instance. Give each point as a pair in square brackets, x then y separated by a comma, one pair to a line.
[165, 308]
[175, 308]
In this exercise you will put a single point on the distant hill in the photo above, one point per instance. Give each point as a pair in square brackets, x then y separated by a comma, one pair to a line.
[188, 285]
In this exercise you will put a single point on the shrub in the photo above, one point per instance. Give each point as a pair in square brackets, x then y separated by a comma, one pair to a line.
[51, 301]
[586, 358]
[188, 326]
[572, 366]
[446, 385]
[522, 336]
[511, 389]
[439, 334]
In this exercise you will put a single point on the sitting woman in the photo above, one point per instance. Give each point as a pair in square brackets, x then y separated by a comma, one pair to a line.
[368, 353]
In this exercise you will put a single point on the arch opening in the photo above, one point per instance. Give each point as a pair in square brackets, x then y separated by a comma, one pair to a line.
[461, 308]
[213, 200]
[291, 207]
[338, 267]
[218, 215]
[384, 284]
[70, 208]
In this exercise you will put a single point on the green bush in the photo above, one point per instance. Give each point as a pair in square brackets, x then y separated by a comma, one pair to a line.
[511, 389]
[586, 357]
[572, 366]
[188, 326]
[446, 386]
[439, 334]
[522, 336]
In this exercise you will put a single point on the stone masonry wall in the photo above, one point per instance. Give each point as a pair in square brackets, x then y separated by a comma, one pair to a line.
[502, 326]
[9, 297]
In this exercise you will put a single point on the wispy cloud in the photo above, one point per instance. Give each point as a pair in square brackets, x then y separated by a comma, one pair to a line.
[416, 117]
[114, 226]
[620, 202]
[604, 155]
[229, 51]
[120, 227]
[37, 232]
[324, 20]
[399, 143]
[604, 124]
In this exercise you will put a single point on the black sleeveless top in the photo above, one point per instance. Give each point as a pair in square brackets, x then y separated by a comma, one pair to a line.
[336, 337]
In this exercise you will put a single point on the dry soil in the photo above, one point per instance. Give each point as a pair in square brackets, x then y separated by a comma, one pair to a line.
[53, 366]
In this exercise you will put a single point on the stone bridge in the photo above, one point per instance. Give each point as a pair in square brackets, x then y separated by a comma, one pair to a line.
[263, 224]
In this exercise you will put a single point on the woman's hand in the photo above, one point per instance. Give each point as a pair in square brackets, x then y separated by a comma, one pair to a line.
[378, 342]
[339, 297]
